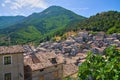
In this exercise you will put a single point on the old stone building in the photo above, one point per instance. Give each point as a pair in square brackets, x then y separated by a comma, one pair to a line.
[43, 66]
[25, 63]
[11, 63]
[69, 69]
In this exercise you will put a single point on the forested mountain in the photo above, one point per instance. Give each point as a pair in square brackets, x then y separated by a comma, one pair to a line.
[55, 20]
[6, 21]
[39, 27]
[105, 21]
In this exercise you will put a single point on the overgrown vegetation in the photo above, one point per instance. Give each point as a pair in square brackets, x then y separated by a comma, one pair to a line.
[64, 36]
[101, 67]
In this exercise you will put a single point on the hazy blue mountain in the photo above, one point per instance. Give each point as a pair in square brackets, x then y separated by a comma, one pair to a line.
[6, 21]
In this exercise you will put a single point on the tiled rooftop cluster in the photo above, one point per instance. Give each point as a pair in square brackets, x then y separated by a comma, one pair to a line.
[82, 43]
[71, 52]
[11, 49]
[42, 60]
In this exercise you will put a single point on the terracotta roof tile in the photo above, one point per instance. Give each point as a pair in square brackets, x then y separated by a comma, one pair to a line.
[44, 60]
[11, 49]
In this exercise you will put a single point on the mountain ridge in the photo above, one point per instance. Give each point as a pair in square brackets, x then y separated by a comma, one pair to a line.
[108, 22]
[6, 21]
[48, 25]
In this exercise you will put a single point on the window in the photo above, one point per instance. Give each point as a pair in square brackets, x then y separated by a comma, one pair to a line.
[7, 60]
[7, 76]
[53, 60]
[41, 70]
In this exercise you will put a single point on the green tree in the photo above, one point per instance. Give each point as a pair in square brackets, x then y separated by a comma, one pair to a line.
[101, 67]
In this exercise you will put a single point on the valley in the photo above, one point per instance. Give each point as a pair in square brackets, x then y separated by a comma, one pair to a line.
[60, 43]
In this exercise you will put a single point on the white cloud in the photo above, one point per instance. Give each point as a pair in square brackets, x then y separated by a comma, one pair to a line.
[3, 5]
[18, 4]
[23, 7]
[7, 1]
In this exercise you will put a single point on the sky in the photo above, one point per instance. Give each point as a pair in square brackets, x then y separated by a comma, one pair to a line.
[85, 8]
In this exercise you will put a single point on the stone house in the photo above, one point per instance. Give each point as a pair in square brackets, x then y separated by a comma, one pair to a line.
[34, 65]
[11, 63]
[43, 66]
[69, 69]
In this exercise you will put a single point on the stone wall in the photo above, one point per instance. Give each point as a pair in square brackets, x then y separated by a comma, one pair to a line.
[50, 73]
[16, 68]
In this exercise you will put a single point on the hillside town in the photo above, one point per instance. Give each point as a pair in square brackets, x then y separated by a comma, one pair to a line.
[83, 42]
[58, 59]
